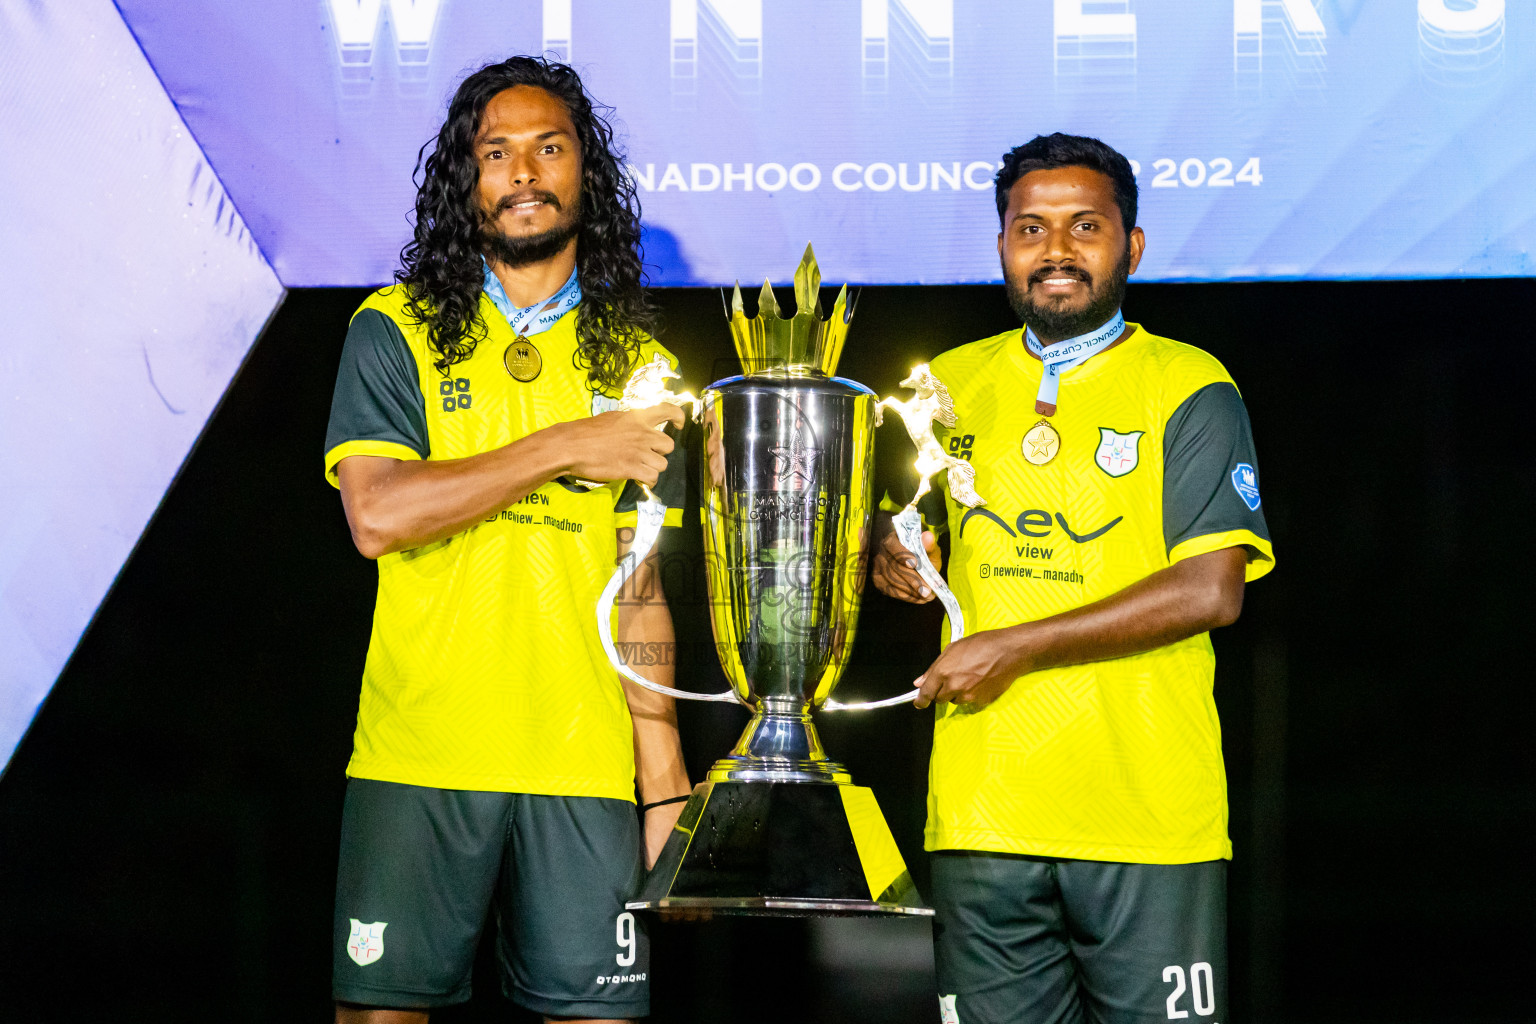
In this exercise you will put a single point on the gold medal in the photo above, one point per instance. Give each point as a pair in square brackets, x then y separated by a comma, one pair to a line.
[522, 360]
[1041, 443]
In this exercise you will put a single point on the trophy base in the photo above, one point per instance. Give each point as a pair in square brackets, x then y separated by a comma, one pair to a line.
[777, 769]
[781, 849]
[779, 744]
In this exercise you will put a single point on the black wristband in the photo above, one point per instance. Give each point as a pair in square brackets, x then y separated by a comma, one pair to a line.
[663, 803]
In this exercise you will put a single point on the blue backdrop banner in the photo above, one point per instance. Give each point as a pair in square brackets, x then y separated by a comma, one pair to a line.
[135, 293]
[1273, 139]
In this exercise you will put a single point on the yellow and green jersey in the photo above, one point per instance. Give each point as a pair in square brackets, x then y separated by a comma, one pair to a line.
[1148, 460]
[484, 667]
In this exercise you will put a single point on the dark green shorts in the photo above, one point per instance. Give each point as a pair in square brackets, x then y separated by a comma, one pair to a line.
[1030, 939]
[421, 867]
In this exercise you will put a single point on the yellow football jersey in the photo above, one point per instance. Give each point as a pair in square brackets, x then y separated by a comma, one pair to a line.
[484, 667]
[1148, 460]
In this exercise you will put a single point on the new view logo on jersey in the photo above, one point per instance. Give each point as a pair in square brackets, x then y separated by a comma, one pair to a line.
[1037, 522]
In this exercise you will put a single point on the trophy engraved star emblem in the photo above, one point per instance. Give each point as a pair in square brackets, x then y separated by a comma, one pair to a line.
[794, 465]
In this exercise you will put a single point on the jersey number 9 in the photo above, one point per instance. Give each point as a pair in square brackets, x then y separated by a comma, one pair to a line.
[625, 929]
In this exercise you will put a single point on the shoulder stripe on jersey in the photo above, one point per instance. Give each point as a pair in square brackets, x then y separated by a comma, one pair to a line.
[378, 391]
[1207, 436]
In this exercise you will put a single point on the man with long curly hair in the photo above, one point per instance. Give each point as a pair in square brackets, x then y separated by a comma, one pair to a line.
[497, 757]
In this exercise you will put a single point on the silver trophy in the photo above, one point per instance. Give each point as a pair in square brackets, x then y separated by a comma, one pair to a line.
[777, 828]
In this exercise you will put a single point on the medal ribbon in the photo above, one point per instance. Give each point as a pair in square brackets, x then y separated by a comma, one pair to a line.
[539, 317]
[1063, 355]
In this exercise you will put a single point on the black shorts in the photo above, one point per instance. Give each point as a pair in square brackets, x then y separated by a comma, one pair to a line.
[420, 867]
[1030, 939]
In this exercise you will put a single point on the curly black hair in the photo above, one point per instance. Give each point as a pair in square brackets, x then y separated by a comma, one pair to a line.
[441, 270]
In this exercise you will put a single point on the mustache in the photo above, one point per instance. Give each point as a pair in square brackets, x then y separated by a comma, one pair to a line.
[1066, 271]
[506, 203]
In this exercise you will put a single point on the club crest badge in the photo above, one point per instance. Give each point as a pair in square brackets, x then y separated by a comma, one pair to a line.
[1245, 480]
[366, 943]
[1041, 443]
[1118, 453]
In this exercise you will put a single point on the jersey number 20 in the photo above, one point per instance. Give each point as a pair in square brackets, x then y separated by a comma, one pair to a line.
[1201, 989]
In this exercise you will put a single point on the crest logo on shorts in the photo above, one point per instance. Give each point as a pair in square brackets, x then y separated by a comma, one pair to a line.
[366, 943]
[1245, 480]
[947, 1012]
[1118, 453]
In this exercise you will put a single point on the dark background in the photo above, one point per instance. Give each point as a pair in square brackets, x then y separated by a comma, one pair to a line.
[168, 828]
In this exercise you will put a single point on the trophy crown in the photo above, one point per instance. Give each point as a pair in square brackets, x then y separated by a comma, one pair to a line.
[799, 345]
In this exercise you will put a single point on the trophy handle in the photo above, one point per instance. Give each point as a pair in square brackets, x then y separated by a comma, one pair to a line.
[865, 705]
[909, 530]
[647, 528]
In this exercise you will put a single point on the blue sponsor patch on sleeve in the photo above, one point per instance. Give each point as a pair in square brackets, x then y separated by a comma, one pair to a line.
[1245, 480]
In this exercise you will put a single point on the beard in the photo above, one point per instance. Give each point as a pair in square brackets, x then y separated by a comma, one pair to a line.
[522, 250]
[1049, 320]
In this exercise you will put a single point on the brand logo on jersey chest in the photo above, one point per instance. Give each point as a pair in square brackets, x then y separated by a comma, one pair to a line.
[454, 393]
[1037, 522]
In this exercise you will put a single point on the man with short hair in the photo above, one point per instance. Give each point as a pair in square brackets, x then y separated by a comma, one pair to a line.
[497, 756]
[1077, 806]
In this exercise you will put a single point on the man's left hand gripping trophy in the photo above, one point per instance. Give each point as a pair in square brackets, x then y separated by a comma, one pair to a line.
[647, 388]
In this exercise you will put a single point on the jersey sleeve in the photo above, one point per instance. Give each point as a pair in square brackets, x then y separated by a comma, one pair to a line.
[1211, 480]
[378, 407]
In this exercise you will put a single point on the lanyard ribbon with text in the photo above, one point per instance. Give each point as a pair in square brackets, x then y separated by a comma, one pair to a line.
[539, 317]
[1063, 355]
